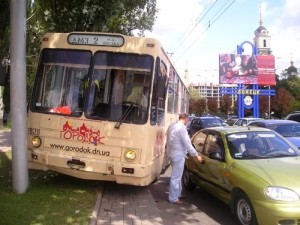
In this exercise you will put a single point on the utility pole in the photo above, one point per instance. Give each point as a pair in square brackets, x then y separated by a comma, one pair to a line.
[18, 95]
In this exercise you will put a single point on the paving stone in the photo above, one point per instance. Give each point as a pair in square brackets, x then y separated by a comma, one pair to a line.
[127, 205]
[103, 220]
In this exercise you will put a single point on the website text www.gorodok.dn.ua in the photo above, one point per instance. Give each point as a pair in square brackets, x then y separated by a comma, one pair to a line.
[82, 149]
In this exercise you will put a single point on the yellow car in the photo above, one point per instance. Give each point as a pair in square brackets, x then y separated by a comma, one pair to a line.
[253, 170]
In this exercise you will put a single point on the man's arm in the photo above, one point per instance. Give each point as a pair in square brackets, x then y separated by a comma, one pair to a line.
[188, 145]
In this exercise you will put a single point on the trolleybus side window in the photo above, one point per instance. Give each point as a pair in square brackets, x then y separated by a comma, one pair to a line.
[184, 100]
[60, 82]
[171, 90]
[176, 91]
[119, 88]
[159, 93]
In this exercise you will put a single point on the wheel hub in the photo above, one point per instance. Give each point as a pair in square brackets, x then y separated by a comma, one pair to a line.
[244, 212]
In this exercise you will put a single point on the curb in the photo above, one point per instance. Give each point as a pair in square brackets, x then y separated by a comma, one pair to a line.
[97, 206]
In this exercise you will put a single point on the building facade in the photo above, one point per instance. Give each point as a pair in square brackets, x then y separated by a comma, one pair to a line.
[212, 91]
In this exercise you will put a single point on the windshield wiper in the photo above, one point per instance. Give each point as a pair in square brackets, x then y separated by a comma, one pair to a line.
[278, 155]
[124, 116]
[251, 156]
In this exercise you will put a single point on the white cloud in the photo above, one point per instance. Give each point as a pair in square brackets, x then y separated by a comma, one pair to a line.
[285, 34]
[174, 18]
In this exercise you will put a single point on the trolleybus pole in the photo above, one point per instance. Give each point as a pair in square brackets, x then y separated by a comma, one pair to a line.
[18, 95]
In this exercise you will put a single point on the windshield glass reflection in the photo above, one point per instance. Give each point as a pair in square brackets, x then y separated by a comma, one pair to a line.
[120, 83]
[253, 145]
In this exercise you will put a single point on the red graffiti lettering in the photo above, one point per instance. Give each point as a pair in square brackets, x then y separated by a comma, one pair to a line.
[81, 134]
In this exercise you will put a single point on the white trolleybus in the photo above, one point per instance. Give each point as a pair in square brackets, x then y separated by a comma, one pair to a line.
[101, 105]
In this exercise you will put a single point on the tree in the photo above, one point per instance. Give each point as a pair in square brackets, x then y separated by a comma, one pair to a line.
[225, 104]
[212, 105]
[4, 50]
[296, 104]
[235, 107]
[197, 106]
[282, 102]
[294, 86]
[120, 16]
[82, 15]
[263, 105]
[194, 94]
[200, 106]
[196, 103]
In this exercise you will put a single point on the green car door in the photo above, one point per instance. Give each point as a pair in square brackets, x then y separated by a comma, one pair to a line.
[212, 175]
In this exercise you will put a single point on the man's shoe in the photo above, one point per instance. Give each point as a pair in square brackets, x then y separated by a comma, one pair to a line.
[178, 202]
[182, 197]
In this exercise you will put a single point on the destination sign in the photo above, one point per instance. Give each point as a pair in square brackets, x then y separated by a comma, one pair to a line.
[96, 39]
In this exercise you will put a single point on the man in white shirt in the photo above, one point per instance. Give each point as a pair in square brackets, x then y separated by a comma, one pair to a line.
[178, 145]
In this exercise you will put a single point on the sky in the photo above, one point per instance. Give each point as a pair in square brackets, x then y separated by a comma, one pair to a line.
[195, 32]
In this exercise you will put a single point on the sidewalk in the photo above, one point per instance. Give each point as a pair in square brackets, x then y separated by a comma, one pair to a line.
[125, 205]
[116, 204]
[5, 140]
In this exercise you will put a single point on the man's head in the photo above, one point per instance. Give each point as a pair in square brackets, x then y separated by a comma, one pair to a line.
[184, 117]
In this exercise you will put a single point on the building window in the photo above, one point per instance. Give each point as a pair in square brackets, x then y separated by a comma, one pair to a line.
[265, 43]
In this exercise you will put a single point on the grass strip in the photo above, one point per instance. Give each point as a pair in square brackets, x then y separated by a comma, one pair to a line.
[51, 198]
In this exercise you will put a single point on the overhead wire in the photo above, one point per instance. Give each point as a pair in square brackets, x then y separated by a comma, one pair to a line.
[210, 23]
[187, 34]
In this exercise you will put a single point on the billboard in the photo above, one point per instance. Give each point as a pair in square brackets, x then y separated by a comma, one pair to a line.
[247, 69]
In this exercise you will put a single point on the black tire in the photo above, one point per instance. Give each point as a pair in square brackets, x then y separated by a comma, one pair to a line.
[155, 179]
[187, 181]
[244, 211]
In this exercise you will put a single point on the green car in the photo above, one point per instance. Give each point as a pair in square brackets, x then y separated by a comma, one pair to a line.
[253, 170]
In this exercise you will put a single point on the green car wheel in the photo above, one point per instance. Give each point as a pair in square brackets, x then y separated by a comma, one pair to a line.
[244, 211]
[187, 181]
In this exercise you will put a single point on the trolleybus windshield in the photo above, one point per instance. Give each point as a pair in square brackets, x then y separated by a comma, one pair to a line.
[120, 87]
[60, 81]
[117, 87]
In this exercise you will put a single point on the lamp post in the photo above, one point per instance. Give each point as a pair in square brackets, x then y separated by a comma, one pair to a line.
[269, 105]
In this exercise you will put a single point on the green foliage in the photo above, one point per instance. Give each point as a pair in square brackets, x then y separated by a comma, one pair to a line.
[50, 199]
[294, 86]
[4, 43]
[35, 32]
[4, 28]
[121, 16]
[197, 103]
[225, 104]
[264, 106]
[194, 94]
[197, 106]
[212, 105]
[281, 104]
[291, 86]
[296, 105]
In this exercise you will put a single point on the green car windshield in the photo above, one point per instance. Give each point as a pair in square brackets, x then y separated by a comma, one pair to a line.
[256, 145]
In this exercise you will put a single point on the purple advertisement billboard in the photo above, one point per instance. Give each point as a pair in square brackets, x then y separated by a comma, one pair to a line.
[247, 69]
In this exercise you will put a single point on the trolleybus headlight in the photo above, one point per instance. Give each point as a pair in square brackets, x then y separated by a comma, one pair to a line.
[130, 155]
[36, 141]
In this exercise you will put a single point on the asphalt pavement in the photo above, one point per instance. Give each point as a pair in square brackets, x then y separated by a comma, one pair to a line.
[199, 207]
[123, 204]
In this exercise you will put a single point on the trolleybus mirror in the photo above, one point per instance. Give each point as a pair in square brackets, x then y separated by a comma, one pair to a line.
[161, 86]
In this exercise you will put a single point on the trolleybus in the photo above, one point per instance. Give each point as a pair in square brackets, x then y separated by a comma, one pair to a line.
[100, 107]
